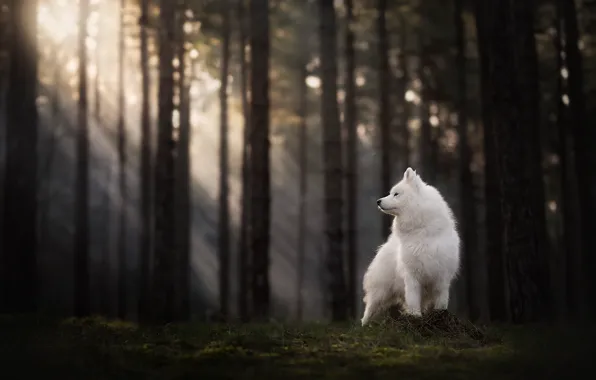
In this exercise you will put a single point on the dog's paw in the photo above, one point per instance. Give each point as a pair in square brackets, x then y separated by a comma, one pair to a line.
[413, 312]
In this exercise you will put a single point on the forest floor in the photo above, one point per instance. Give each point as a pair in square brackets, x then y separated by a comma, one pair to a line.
[98, 349]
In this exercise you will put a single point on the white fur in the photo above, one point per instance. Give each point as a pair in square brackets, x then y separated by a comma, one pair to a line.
[420, 259]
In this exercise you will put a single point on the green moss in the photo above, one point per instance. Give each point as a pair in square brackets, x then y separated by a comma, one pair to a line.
[95, 348]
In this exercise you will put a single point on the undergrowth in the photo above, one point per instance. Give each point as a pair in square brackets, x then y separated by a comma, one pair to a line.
[437, 345]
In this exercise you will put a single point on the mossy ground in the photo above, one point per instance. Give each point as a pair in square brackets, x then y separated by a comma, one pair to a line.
[432, 348]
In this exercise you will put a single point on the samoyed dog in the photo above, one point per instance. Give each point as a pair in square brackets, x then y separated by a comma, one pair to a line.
[417, 264]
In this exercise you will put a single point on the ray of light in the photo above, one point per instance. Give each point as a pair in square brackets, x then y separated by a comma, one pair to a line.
[58, 31]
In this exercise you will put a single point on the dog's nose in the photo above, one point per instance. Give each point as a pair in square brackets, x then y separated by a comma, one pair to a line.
[378, 202]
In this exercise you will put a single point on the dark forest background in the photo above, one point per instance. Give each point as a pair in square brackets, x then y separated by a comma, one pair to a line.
[168, 160]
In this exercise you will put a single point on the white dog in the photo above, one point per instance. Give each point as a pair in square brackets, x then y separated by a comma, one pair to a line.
[420, 259]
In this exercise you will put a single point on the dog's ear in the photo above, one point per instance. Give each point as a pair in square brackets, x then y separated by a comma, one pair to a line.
[412, 178]
[410, 174]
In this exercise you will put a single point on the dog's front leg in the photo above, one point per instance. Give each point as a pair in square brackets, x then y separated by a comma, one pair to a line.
[413, 295]
[372, 308]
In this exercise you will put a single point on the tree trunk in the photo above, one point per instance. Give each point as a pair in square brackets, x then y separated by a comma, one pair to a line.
[81, 265]
[302, 181]
[145, 173]
[18, 252]
[468, 219]
[585, 156]
[244, 249]
[384, 112]
[56, 85]
[183, 178]
[350, 120]
[165, 216]
[565, 263]
[513, 118]
[332, 157]
[402, 85]
[426, 131]
[96, 81]
[260, 174]
[224, 209]
[559, 267]
[429, 133]
[104, 280]
[123, 204]
[498, 310]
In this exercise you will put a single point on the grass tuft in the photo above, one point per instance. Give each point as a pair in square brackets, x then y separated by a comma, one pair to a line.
[442, 324]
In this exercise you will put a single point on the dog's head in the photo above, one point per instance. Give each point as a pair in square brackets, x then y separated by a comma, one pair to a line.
[403, 195]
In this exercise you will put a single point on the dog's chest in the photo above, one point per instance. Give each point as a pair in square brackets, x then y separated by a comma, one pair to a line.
[419, 258]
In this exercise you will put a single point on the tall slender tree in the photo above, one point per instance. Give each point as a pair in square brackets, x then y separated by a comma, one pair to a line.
[402, 85]
[224, 208]
[585, 157]
[123, 201]
[165, 217]
[19, 226]
[303, 178]
[260, 180]
[468, 219]
[183, 178]
[97, 56]
[510, 70]
[104, 265]
[244, 249]
[384, 104]
[57, 80]
[81, 246]
[350, 122]
[425, 142]
[560, 262]
[145, 171]
[332, 156]
[498, 310]
[569, 262]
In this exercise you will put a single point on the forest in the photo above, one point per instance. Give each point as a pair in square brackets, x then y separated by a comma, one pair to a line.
[188, 187]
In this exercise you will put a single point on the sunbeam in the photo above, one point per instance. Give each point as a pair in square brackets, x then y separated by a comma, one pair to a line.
[58, 20]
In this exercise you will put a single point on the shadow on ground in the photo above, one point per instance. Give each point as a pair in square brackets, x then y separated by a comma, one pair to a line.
[97, 349]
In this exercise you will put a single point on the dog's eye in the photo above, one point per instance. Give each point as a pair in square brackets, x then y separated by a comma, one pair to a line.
[395, 194]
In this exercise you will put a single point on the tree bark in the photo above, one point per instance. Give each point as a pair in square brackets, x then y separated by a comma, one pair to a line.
[145, 172]
[332, 156]
[402, 85]
[498, 309]
[224, 213]
[585, 156]
[97, 81]
[56, 84]
[260, 145]
[165, 218]
[81, 245]
[183, 178]
[350, 121]
[468, 220]
[123, 204]
[427, 148]
[302, 181]
[510, 70]
[565, 264]
[18, 252]
[105, 298]
[244, 249]
[384, 112]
